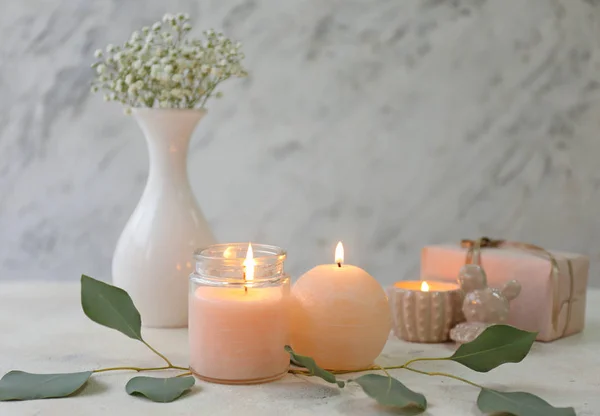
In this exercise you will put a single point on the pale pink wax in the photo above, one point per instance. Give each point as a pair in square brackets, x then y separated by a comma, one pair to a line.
[236, 335]
[340, 316]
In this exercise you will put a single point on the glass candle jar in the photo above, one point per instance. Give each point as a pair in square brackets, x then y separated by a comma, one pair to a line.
[238, 323]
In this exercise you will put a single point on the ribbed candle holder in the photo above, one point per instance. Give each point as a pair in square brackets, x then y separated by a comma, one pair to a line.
[425, 315]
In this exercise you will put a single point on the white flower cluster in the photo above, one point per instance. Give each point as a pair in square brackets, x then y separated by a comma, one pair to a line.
[160, 67]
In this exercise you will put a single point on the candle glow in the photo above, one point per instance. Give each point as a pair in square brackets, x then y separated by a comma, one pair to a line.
[339, 253]
[340, 315]
[229, 253]
[249, 264]
[237, 328]
[425, 311]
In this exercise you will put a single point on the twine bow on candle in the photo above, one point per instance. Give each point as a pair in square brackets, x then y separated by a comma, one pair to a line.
[474, 257]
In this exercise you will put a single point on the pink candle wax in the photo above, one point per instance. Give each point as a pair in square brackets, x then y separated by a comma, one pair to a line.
[340, 315]
[237, 336]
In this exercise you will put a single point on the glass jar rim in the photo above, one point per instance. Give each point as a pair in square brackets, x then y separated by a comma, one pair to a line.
[213, 266]
[277, 252]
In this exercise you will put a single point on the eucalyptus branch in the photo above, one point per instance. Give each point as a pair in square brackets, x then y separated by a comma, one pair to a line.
[443, 375]
[405, 366]
[414, 360]
[159, 354]
[383, 369]
[138, 369]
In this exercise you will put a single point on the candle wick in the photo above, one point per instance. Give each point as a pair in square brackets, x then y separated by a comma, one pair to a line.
[339, 264]
[245, 289]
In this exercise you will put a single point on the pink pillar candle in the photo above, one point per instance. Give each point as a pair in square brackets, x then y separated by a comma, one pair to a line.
[238, 327]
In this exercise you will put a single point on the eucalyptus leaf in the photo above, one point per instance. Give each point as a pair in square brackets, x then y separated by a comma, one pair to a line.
[518, 404]
[161, 390]
[390, 392]
[312, 367]
[19, 385]
[497, 345]
[110, 306]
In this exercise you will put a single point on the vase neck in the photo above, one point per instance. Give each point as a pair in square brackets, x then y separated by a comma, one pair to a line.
[168, 134]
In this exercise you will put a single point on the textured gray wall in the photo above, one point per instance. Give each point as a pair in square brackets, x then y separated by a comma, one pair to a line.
[387, 124]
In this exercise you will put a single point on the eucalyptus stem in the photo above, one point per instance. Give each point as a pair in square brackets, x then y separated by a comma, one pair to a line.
[298, 371]
[159, 354]
[414, 360]
[443, 375]
[404, 366]
[188, 373]
[360, 370]
[169, 365]
[382, 369]
[138, 369]
[373, 367]
[305, 372]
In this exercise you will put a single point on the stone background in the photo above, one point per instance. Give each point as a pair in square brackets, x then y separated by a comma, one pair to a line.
[386, 124]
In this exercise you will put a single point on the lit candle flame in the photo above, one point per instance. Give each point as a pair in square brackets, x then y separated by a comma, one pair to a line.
[339, 254]
[424, 287]
[249, 264]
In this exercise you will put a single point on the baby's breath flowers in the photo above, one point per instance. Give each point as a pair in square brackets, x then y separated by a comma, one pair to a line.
[159, 67]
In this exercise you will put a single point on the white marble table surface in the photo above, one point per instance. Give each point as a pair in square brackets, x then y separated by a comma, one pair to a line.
[43, 329]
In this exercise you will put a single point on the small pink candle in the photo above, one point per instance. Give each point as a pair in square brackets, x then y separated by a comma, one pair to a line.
[425, 311]
[238, 330]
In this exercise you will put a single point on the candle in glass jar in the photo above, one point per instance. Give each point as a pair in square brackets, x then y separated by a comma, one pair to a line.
[425, 311]
[238, 325]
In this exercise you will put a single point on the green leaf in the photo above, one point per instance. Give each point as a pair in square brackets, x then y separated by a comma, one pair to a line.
[390, 392]
[110, 306]
[19, 385]
[162, 390]
[312, 367]
[497, 345]
[518, 404]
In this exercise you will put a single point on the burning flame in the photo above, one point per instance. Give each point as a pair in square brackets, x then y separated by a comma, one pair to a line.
[249, 264]
[339, 253]
[424, 287]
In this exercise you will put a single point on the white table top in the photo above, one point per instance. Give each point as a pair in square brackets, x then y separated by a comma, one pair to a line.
[44, 330]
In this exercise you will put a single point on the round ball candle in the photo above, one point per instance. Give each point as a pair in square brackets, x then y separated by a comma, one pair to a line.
[340, 316]
[425, 311]
[238, 328]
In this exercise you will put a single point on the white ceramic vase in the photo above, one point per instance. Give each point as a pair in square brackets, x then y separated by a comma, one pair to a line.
[154, 254]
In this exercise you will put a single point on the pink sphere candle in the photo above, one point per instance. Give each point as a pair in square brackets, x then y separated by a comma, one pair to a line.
[340, 316]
